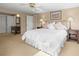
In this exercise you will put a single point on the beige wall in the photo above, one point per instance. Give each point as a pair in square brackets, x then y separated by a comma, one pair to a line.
[45, 16]
[35, 21]
[74, 13]
[23, 23]
[66, 13]
[7, 11]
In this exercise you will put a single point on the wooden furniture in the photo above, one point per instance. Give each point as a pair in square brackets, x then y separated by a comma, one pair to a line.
[16, 29]
[39, 27]
[74, 35]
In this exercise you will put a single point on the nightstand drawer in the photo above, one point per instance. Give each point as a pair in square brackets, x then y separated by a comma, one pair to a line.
[72, 32]
[73, 36]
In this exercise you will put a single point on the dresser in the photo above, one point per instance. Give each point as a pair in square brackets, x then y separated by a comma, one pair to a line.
[73, 35]
[15, 29]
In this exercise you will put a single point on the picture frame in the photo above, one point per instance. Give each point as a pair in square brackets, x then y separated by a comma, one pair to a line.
[56, 15]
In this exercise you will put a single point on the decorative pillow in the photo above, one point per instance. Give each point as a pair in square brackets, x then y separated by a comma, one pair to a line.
[51, 26]
[60, 26]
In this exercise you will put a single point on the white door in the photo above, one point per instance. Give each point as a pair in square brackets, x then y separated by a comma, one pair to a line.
[10, 22]
[29, 22]
[2, 23]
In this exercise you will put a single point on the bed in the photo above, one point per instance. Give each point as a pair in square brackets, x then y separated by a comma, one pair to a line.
[47, 40]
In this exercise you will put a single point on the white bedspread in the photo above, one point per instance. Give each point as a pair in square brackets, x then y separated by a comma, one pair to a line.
[49, 41]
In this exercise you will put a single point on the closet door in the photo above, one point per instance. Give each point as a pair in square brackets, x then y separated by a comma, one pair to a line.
[2, 23]
[29, 22]
[10, 22]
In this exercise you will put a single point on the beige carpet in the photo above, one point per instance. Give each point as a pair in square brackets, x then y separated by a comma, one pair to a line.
[12, 45]
[71, 49]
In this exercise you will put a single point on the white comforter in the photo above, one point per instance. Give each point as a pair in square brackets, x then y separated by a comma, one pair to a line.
[49, 41]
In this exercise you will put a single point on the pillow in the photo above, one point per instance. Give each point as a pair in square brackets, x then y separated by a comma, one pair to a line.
[51, 26]
[60, 26]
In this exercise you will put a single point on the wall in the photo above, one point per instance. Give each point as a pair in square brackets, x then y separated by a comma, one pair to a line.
[74, 13]
[23, 20]
[35, 20]
[45, 16]
[7, 11]
[66, 13]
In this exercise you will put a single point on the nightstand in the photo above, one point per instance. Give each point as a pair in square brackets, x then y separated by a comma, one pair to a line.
[78, 36]
[74, 35]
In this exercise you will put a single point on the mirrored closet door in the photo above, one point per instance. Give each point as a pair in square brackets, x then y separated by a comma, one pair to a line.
[2, 23]
[6, 21]
[10, 22]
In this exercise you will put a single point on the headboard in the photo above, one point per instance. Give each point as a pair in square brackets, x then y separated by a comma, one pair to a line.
[64, 22]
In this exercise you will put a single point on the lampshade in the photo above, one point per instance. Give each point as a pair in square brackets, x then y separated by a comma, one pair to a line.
[41, 20]
[18, 15]
[70, 19]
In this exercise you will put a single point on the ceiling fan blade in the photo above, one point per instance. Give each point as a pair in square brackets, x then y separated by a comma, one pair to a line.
[39, 9]
[34, 11]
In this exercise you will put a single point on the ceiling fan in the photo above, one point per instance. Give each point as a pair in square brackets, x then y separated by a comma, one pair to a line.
[34, 7]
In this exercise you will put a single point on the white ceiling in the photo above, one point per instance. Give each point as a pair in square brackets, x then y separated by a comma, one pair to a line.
[43, 7]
